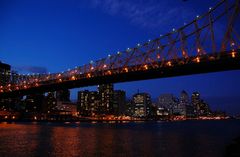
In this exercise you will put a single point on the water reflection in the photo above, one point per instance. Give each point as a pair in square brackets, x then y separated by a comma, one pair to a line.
[130, 139]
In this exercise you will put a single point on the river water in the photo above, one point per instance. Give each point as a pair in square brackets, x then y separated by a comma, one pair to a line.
[163, 139]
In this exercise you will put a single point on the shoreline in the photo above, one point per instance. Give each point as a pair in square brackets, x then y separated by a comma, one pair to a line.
[109, 121]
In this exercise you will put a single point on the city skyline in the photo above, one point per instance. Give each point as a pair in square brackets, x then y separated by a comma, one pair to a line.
[42, 42]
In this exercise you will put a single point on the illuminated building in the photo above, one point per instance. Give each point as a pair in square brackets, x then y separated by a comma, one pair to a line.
[180, 108]
[66, 108]
[142, 105]
[88, 103]
[50, 102]
[200, 107]
[119, 103]
[196, 100]
[5, 71]
[106, 99]
[161, 111]
[168, 102]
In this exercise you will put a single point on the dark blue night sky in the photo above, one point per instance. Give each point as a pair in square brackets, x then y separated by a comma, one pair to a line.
[54, 35]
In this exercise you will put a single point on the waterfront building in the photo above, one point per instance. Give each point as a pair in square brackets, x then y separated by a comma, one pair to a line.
[50, 103]
[14, 76]
[182, 105]
[168, 102]
[196, 100]
[142, 105]
[119, 102]
[201, 108]
[106, 99]
[5, 74]
[66, 108]
[88, 103]
[34, 103]
[129, 109]
[161, 112]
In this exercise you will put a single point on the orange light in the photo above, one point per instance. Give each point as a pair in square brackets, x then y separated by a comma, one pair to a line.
[126, 70]
[36, 84]
[183, 53]
[35, 118]
[198, 59]
[73, 78]
[233, 54]
[60, 80]
[5, 117]
[59, 75]
[104, 66]
[146, 67]
[198, 50]
[1, 91]
[13, 117]
[25, 86]
[88, 75]
[109, 72]
[169, 63]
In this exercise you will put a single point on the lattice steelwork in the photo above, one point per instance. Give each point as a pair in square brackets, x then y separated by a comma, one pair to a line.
[205, 39]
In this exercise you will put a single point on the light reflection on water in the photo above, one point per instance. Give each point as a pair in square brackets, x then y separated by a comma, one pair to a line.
[180, 139]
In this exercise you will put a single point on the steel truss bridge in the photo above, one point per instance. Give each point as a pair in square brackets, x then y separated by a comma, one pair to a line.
[209, 43]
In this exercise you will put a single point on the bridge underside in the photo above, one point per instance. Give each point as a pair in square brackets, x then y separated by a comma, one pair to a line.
[224, 64]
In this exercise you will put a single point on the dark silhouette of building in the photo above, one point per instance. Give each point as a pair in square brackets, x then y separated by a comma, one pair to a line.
[63, 95]
[50, 103]
[5, 74]
[34, 103]
[119, 102]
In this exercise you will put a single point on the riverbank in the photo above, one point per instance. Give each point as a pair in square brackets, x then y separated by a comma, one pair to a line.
[107, 120]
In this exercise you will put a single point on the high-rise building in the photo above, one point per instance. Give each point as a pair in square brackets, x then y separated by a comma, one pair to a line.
[5, 71]
[63, 95]
[129, 110]
[142, 105]
[168, 102]
[88, 103]
[106, 99]
[119, 104]
[50, 102]
[181, 107]
[34, 103]
[15, 77]
[196, 100]
[200, 107]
